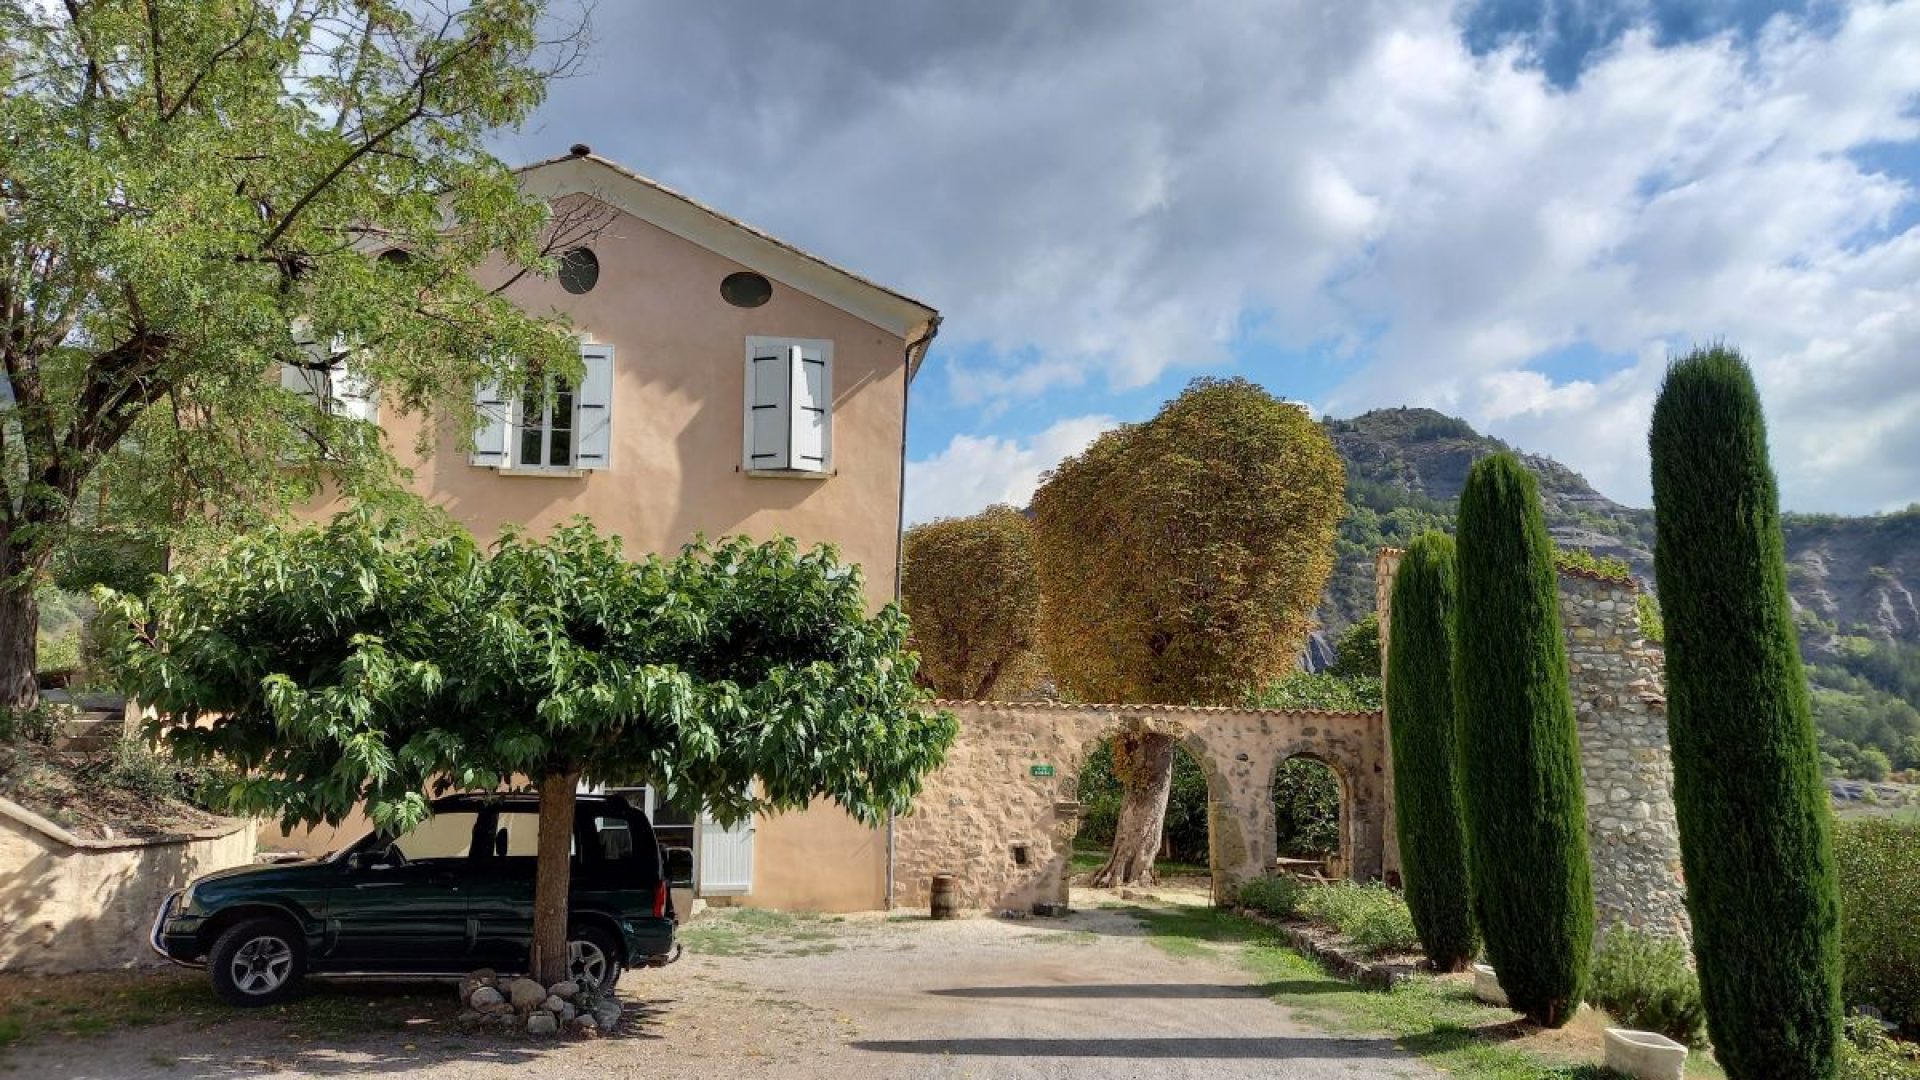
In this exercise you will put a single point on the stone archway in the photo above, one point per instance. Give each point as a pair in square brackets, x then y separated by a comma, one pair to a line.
[1001, 814]
[1344, 808]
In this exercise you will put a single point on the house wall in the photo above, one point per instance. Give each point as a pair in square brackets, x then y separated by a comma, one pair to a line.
[68, 904]
[678, 418]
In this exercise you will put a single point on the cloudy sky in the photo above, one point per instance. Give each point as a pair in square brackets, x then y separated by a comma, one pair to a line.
[1511, 210]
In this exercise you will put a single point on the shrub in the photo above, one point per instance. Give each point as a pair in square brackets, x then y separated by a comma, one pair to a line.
[1521, 783]
[40, 724]
[1426, 781]
[1646, 981]
[1868, 1054]
[1879, 866]
[1751, 805]
[1275, 896]
[1373, 917]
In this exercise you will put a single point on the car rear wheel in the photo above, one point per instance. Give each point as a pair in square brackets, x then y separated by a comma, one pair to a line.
[257, 961]
[593, 958]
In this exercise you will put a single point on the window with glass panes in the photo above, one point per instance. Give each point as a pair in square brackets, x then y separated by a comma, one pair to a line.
[546, 425]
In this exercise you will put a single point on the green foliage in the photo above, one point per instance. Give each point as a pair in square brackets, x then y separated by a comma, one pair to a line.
[1357, 652]
[135, 765]
[1519, 748]
[1586, 560]
[1426, 775]
[1100, 795]
[1752, 809]
[1646, 981]
[1306, 809]
[1879, 869]
[1278, 896]
[1866, 1053]
[968, 584]
[41, 723]
[357, 661]
[1321, 691]
[1853, 716]
[1371, 916]
[193, 195]
[1652, 624]
[1182, 558]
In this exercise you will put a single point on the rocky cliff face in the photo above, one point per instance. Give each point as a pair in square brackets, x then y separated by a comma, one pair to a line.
[1849, 576]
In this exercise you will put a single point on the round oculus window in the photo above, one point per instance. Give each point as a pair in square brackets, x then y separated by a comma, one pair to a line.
[579, 270]
[396, 257]
[746, 289]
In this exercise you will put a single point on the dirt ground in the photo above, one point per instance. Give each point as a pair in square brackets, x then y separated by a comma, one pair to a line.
[794, 998]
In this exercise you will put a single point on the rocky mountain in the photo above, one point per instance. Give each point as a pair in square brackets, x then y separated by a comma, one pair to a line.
[1853, 579]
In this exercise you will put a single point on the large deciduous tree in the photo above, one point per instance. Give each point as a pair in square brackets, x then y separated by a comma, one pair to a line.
[365, 663]
[1752, 809]
[969, 586]
[1520, 748]
[1180, 561]
[196, 194]
[1426, 769]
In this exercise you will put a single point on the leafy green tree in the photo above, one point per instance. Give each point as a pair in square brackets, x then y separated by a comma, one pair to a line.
[193, 196]
[1357, 652]
[362, 663]
[969, 586]
[1318, 690]
[1753, 812]
[1180, 561]
[1519, 748]
[1426, 755]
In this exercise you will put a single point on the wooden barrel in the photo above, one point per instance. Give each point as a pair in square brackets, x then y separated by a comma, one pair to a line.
[946, 896]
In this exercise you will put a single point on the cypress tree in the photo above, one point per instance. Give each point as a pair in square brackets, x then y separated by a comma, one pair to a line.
[1426, 785]
[1751, 805]
[1520, 752]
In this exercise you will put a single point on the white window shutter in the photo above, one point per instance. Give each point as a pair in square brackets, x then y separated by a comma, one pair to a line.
[352, 395]
[494, 434]
[812, 408]
[769, 404]
[726, 858]
[309, 380]
[593, 424]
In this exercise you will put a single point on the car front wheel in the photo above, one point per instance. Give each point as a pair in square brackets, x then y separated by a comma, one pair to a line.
[593, 958]
[257, 962]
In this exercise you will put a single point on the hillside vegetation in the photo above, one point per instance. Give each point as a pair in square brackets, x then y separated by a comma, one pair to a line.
[1852, 579]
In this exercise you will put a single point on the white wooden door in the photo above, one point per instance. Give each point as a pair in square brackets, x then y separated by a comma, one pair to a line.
[726, 858]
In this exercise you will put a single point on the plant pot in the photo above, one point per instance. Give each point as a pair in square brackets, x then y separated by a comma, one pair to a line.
[1645, 1054]
[1486, 986]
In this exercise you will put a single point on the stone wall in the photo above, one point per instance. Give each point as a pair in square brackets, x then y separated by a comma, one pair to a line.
[1615, 676]
[1002, 812]
[71, 904]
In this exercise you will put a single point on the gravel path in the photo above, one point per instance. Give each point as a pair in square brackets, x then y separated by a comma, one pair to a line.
[849, 999]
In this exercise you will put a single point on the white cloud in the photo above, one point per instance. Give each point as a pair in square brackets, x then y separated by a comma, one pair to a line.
[1099, 191]
[974, 471]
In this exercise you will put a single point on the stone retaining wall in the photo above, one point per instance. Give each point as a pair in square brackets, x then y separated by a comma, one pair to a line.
[72, 904]
[1619, 698]
[1003, 824]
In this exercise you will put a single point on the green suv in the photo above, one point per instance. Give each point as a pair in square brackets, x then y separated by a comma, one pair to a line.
[452, 895]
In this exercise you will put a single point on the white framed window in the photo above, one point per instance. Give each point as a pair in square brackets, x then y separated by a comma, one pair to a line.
[789, 407]
[554, 428]
[324, 379]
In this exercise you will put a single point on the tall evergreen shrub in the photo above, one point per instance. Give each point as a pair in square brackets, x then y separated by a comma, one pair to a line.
[1752, 809]
[1426, 779]
[1519, 748]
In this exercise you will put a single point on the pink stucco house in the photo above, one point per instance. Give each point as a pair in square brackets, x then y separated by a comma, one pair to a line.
[733, 384]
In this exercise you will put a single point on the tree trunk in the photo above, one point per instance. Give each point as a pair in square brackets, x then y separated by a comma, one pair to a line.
[1143, 762]
[553, 878]
[19, 642]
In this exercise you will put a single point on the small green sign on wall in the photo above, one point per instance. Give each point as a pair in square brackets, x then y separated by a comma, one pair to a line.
[1041, 770]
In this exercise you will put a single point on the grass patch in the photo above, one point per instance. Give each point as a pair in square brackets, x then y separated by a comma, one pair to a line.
[753, 933]
[1087, 859]
[1436, 1019]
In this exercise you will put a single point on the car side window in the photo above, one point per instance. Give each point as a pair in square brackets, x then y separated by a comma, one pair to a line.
[615, 838]
[517, 836]
[447, 835]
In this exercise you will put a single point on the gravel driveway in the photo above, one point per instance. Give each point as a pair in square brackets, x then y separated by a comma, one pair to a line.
[847, 999]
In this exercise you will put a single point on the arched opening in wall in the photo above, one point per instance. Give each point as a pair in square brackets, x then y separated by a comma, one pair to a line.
[1311, 818]
[1180, 850]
